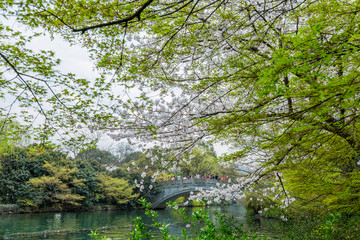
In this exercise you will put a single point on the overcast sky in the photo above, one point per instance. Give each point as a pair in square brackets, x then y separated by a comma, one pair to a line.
[74, 59]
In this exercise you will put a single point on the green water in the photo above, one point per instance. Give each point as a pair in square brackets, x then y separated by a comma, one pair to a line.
[114, 224]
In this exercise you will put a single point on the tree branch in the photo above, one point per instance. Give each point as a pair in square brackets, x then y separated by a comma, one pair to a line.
[25, 83]
[124, 20]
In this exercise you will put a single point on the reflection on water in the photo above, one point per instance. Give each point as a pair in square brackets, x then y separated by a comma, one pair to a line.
[114, 224]
[47, 223]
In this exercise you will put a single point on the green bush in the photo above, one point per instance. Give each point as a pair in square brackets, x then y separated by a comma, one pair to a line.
[223, 228]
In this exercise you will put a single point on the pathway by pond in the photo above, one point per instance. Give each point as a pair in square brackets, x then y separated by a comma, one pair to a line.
[114, 224]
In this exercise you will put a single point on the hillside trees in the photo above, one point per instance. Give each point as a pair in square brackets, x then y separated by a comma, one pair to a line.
[112, 157]
[38, 177]
[277, 79]
[103, 157]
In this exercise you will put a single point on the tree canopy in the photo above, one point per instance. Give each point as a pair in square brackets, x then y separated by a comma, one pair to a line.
[276, 79]
[40, 178]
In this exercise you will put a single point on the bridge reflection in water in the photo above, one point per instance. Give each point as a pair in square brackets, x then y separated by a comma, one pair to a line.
[171, 190]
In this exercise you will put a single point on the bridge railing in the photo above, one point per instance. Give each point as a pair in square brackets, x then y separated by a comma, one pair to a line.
[198, 181]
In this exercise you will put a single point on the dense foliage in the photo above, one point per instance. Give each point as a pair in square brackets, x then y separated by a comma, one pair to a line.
[39, 177]
[224, 228]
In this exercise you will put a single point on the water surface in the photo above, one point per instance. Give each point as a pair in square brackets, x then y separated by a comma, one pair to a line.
[114, 224]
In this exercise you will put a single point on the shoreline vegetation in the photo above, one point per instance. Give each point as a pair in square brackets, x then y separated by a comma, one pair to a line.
[36, 179]
[8, 209]
[39, 178]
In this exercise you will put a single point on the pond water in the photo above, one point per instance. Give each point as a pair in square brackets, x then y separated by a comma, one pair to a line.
[113, 224]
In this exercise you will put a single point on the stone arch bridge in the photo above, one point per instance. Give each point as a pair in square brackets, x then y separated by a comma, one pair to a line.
[171, 190]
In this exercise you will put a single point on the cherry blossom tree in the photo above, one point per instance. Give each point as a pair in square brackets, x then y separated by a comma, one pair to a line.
[277, 80]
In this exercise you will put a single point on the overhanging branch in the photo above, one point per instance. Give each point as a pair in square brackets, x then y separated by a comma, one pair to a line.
[124, 20]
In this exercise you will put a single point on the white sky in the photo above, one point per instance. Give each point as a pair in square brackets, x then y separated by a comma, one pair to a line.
[74, 59]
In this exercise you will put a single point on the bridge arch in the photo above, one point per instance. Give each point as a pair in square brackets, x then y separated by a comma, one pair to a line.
[171, 190]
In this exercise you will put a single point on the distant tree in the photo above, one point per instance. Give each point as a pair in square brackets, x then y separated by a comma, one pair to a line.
[115, 190]
[198, 162]
[203, 160]
[134, 156]
[88, 171]
[125, 153]
[19, 165]
[103, 157]
[114, 157]
[11, 134]
[55, 188]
